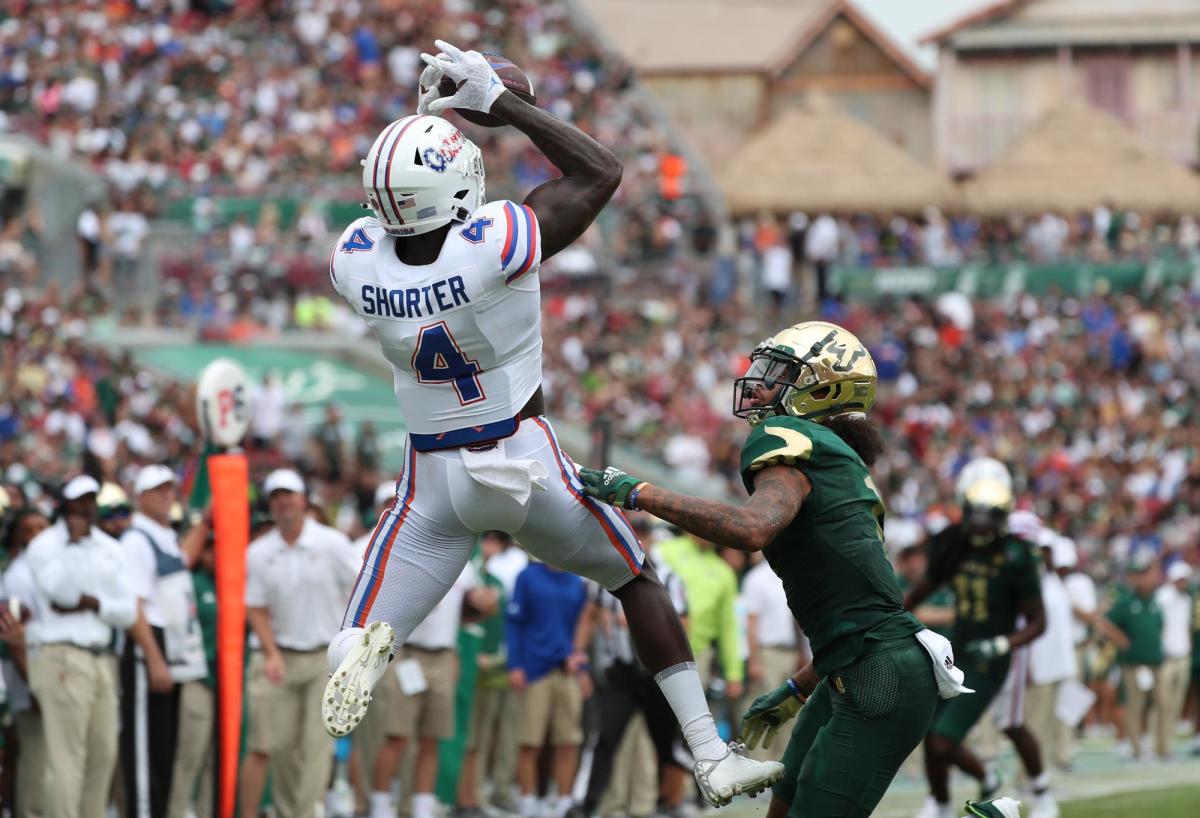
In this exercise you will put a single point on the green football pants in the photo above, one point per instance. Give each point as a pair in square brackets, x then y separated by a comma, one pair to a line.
[855, 731]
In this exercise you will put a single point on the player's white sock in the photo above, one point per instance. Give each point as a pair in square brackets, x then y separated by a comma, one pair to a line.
[340, 645]
[527, 805]
[423, 805]
[381, 805]
[564, 803]
[680, 685]
[1041, 783]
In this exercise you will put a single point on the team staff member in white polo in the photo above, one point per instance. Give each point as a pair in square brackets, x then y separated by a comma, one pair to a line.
[79, 573]
[298, 578]
[1176, 604]
[165, 647]
[771, 633]
[418, 696]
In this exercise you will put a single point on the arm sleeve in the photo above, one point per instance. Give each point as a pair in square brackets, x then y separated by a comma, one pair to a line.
[515, 619]
[1117, 613]
[520, 240]
[729, 637]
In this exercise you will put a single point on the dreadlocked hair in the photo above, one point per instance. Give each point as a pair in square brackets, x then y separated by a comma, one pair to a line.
[860, 433]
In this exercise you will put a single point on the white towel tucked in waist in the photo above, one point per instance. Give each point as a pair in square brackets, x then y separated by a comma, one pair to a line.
[941, 653]
[516, 478]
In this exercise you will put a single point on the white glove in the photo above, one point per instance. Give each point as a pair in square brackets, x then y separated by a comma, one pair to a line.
[478, 84]
[427, 85]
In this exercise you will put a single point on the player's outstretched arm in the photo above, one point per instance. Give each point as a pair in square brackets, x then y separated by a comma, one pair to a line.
[779, 491]
[590, 172]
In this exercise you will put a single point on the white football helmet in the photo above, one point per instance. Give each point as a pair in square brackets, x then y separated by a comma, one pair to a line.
[979, 469]
[422, 173]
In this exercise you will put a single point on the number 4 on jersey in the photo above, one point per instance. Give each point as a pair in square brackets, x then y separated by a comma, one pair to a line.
[437, 359]
[358, 241]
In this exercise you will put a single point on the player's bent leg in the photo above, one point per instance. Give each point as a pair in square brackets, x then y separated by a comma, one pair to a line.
[571, 531]
[411, 563]
[881, 707]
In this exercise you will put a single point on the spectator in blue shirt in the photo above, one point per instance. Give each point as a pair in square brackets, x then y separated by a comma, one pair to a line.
[547, 667]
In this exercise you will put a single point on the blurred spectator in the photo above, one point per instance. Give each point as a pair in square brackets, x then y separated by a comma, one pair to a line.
[113, 510]
[547, 667]
[193, 781]
[821, 250]
[1051, 655]
[418, 698]
[164, 648]
[628, 690]
[1175, 602]
[711, 588]
[369, 736]
[18, 585]
[491, 734]
[1136, 613]
[298, 578]
[771, 634]
[82, 600]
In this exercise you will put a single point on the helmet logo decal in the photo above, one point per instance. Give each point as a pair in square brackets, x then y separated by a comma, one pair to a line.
[434, 160]
[844, 365]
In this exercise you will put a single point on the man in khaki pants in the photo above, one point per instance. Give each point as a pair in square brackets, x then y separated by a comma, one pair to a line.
[79, 573]
[298, 578]
[1176, 604]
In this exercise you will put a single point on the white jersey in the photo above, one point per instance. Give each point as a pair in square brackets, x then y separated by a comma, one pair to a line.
[464, 334]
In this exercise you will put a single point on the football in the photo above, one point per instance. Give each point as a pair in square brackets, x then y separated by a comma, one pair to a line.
[514, 79]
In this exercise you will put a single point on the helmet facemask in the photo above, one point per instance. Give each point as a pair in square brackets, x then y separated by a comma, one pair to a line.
[768, 383]
[986, 505]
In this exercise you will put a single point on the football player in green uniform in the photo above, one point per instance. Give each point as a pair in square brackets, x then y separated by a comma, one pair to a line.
[870, 692]
[998, 608]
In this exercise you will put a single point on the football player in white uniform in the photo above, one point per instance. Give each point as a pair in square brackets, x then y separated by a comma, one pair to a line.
[449, 287]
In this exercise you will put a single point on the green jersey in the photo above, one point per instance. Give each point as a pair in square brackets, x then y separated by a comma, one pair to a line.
[1140, 618]
[990, 583]
[206, 611]
[839, 583]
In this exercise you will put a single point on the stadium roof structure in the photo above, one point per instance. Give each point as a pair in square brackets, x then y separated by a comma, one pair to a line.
[719, 36]
[815, 158]
[1076, 157]
[1025, 24]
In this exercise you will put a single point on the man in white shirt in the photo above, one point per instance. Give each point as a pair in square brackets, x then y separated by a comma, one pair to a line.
[821, 249]
[1052, 655]
[771, 635]
[298, 577]
[418, 693]
[79, 574]
[1176, 605]
[157, 572]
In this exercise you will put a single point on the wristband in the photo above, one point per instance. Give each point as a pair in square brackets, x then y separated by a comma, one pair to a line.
[795, 688]
[631, 502]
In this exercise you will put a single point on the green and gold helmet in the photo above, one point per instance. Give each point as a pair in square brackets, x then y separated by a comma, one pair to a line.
[814, 370]
[987, 501]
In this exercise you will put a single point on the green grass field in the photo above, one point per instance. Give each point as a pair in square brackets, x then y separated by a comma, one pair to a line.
[1172, 803]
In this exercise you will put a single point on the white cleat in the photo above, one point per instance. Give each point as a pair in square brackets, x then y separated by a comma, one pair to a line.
[735, 774]
[1044, 806]
[349, 689]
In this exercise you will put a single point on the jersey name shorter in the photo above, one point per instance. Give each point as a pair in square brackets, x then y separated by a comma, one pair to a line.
[415, 302]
